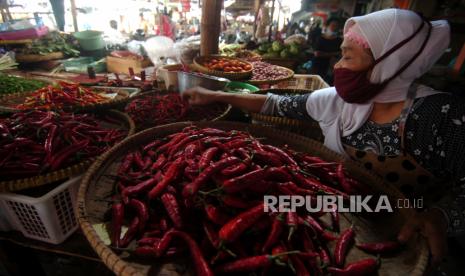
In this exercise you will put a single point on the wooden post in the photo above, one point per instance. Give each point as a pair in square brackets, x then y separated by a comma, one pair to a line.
[271, 22]
[210, 27]
[257, 5]
[74, 14]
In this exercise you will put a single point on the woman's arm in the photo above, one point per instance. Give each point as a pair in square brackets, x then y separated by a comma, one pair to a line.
[202, 96]
[275, 105]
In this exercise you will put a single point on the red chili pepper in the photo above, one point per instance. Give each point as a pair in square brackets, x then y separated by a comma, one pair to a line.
[192, 188]
[131, 233]
[240, 182]
[279, 250]
[152, 145]
[235, 170]
[345, 185]
[172, 208]
[249, 264]
[48, 147]
[126, 165]
[148, 241]
[267, 158]
[161, 160]
[141, 186]
[358, 268]
[201, 266]
[335, 219]
[292, 223]
[308, 220]
[65, 153]
[190, 151]
[278, 174]
[325, 259]
[142, 212]
[117, 218]
[300, 269]
[216, 215]
[235, 202]
[138, 160]
[342, 246]
[379, 247]
[275, 232]
[236, 226]
[282, 154]
[172, 172]
[207, 157]
[212, 235]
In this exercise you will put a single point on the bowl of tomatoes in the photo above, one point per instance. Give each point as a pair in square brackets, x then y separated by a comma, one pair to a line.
[222, 66]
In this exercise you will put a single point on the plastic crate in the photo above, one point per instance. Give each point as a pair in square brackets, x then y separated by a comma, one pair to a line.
[309, 82]
[49, 218]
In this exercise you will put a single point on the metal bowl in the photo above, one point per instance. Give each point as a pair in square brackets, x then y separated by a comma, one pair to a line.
[188, 80]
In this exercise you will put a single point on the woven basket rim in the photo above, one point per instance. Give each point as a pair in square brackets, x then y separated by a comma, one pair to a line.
[40, 180]
[76, 108]
[122, 267]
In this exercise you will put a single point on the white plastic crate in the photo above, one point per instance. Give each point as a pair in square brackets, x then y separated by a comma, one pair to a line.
[49, 218]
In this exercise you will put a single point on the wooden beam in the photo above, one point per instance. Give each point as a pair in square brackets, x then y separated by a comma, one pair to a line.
[210, 26]
[74, 14]
[270, 33]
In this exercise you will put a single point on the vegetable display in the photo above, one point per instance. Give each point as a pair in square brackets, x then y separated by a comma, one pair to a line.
[52, 42]
[61, 95]
[265, 71]
[7, 62]
[277, 49]
[11, 84]
[202, 189]
[161, 109]
[38, 142]
[227, 65]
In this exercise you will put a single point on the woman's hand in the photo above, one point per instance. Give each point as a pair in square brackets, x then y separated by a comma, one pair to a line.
[433, 226]
[199, 96]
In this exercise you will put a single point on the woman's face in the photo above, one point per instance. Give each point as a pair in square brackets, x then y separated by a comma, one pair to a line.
[354, 57]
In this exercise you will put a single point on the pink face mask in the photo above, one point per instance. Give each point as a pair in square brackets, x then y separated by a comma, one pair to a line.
[355, 86]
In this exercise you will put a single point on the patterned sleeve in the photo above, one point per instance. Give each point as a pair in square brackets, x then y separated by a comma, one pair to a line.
[293, 107]
[435, 137]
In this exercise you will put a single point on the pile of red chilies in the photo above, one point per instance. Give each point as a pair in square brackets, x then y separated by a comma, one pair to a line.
[61, 95]
[202, 189]
[36, 142]
[170, 108]
[157, 109]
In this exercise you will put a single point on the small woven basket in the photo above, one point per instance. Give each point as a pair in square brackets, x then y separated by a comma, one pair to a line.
[309, 128]
[199, 61]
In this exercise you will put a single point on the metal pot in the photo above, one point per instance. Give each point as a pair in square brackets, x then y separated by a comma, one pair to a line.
[188, 80]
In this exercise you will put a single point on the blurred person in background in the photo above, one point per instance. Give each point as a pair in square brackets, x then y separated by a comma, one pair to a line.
[326, 49]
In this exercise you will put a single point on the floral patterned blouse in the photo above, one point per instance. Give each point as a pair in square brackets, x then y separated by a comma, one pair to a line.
[434, 133]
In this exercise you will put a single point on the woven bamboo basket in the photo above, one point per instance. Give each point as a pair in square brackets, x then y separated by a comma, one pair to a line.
[309, 128]
[31, 58]
[199, 61]
[191, 114]
[309, 82]
[8, 103]
[25, 183]
[94, 201]
[283, 62]
[274, 81]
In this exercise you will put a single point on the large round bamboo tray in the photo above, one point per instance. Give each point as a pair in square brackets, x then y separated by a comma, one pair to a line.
[25, 183]
[96, 190]
[199, 61]
[309, 127]
[9, 102]
[31, 58]
[274, 81]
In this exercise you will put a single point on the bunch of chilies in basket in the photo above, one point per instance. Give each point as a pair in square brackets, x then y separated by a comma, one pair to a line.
[202, 190]
[37, 142]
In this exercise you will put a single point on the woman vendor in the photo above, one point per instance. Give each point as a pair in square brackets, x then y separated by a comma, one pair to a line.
[410, 134]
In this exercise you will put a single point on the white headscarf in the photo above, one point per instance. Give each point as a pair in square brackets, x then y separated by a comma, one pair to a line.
[382, 30]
